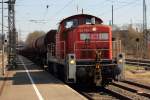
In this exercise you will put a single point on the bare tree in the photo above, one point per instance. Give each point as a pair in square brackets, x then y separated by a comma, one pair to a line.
[33, 36]
[128, 35]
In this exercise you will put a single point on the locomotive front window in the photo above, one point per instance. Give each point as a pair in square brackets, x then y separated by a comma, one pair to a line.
[94, 36]
[84, 36]
[103, 36]
[75, 22]
[88, 21]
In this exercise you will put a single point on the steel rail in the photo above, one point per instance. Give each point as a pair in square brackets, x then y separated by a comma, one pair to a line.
[126, 93]
[132, 88]
[132, 82]
[144, 63]
[118, 95]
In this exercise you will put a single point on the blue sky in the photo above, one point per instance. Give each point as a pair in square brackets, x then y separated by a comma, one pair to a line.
[34, 15]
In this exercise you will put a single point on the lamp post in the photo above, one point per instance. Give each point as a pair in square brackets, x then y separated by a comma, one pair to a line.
[3, 68]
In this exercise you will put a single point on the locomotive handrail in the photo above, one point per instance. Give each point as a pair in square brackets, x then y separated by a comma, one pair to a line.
[79, 46]
[116, 47]
[51, 49]
[92, 49]
[90, 42]
[58, 49]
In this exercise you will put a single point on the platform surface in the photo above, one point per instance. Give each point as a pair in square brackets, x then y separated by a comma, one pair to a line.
[29, 82]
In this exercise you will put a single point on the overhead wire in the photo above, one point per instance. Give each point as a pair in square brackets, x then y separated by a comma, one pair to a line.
[48, 6]
[4, 25]
[66, 5]
[61, 10]
[125, 4]
[128, 4]
[104, 3]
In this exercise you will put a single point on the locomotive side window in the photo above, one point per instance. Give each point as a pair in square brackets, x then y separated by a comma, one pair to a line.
[103, 36]
[84, 36]
[69, 24]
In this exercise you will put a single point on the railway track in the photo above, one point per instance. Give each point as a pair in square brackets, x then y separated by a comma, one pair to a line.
[125, 90]
[94, 93]
[98, 96]
[106, 94]
[131, 90]
[145, 63]
[99, 93]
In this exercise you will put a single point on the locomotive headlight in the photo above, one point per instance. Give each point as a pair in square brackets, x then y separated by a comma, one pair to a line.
[120, 60]
[72, 61]
[94, 29]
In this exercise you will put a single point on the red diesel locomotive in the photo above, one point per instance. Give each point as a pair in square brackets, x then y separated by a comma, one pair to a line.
[80, 51]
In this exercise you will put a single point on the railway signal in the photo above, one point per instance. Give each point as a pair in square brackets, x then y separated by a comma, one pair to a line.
[138, 50]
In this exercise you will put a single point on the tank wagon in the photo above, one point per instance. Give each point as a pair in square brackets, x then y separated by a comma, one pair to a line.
[80, 51]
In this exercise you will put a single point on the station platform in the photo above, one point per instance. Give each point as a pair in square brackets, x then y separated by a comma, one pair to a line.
[29, 82]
